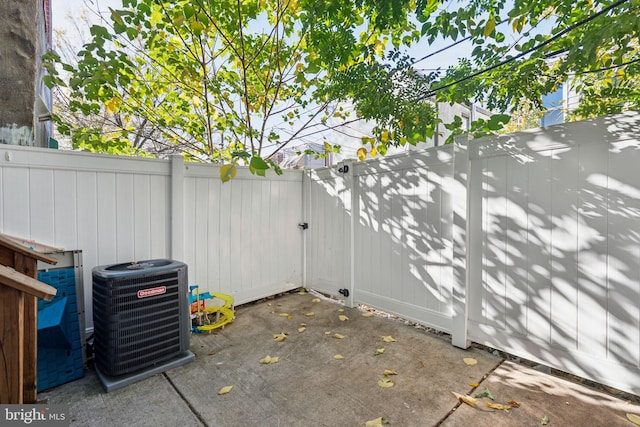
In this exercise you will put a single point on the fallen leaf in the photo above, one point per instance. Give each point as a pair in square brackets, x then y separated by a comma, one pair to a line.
[225, 390]
[378, 422]
[379, 351]
[310, 314]
[474, 385]
[269, 360]
[328, 333]
[338, 336]
[287, 315]
[485, 393]
[385, 382]
[302, 292]
[470, 401]
[544, 420]
[465, 399]
[302, 329]
[280, 337]
[212, 353]
[388, 338]
[498, 406]
[338, 357]
[367, 314]
[634, 418]
[390, 372]
[513, 403]
[343, 318]
[315, 300]
[340, 310]
[470, 361]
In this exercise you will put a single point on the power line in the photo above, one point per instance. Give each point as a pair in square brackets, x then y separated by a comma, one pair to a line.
[449, 46]
[432, 92]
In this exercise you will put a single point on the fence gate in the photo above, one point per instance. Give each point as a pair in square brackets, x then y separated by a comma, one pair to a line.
[328, 206]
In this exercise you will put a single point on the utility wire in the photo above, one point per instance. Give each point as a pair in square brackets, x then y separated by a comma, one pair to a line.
[449, 46]
[432, 92]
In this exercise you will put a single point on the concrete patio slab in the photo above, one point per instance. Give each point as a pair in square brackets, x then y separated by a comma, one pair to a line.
[543, 398]
[309, 387]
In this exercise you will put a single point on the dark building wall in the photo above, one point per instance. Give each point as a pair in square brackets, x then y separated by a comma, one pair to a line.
[23, 39]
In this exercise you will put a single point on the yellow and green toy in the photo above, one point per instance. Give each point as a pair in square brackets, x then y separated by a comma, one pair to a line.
[210, 317]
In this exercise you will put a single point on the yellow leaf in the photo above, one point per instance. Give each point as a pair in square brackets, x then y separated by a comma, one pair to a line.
[498, 406]
[343, 318]
[338, 357]
[315, 300]
[327, 146]
[390, 372]
[470, 361]
[310, 314]
[225, 390]
[196, 101]
[634, 418]
[466, 399]
[367, 314]
[227, 172]
[328, 333]
[302, 292]
[379, 351]
[491, 25]
[341, 310]
[378, 422]
[362, 153]
[385, 382]
[112, 105]
[302, 329]
[269, 360]
[378, 48]
[474, 385]
[388, 338]
[280, 337]
[469, 401]
[374, 152]
[384, 137]
[287, 315]
[338, 336]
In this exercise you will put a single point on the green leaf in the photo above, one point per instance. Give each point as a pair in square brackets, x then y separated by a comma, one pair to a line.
[115, 16]
[485, 393]
[241, 154]
[258, 164]
[189, 11]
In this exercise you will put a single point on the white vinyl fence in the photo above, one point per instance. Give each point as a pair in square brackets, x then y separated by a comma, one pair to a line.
[556, 270]
[529, 243]
[240, 237]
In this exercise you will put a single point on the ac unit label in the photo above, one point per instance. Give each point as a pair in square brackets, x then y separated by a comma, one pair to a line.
[152, 292]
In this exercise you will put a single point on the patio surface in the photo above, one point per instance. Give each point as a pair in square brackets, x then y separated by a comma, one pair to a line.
[309, 387]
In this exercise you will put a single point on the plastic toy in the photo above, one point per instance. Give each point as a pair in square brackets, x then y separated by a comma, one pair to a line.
[202, 314]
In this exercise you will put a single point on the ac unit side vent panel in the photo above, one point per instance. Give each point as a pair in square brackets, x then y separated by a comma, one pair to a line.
[141, 315]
